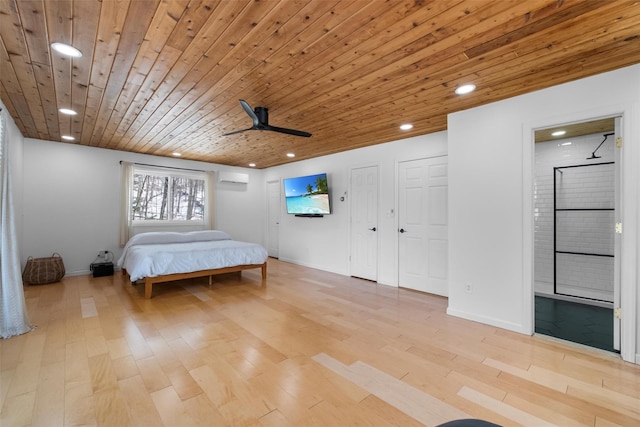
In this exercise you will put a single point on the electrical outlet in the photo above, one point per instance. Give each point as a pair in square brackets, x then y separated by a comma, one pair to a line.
[468, 287]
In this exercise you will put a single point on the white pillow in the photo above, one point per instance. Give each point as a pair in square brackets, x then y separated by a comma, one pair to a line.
[155, 237]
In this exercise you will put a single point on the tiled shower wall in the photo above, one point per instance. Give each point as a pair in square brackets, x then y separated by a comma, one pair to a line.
[577, 231]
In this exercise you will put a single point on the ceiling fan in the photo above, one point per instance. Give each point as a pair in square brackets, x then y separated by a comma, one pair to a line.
[260, 117]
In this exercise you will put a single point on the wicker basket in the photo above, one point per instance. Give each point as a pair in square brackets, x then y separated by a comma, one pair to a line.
[39, 271]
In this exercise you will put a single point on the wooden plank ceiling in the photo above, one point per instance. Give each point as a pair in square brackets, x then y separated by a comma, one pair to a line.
[165, 76]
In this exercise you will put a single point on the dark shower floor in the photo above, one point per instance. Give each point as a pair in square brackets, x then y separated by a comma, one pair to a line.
[580, 323]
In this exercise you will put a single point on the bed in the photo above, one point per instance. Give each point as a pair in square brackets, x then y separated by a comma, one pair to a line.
[160, 257]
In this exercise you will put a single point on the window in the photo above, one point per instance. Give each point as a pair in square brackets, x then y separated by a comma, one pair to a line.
[166, 195]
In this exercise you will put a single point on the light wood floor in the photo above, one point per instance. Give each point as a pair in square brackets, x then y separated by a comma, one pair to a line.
[306, 348]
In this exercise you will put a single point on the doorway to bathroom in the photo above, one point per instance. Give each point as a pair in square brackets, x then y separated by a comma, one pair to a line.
[576, 254]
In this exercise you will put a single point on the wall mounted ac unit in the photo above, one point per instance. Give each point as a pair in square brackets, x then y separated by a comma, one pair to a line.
[237, 177]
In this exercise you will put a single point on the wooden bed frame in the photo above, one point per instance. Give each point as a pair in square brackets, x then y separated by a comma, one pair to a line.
[149, 281]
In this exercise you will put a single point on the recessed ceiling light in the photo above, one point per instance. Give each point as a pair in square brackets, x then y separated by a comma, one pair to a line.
[558, 133]
[461, 90]
[252, 165]
[68, 138]
[176, 154]
[566, 143]
[65, 49]
[406, 126]
[290, 155]
[67, 111]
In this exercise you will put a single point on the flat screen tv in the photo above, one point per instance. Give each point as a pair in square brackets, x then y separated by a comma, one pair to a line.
[307, 195]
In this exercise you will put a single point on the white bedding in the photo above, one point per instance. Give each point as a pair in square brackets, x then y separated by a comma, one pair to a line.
[143, 257]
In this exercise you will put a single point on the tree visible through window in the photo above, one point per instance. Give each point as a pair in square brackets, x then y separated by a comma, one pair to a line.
[157, 196]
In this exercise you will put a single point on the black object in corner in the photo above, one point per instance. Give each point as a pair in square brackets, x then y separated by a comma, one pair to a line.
[102, 269]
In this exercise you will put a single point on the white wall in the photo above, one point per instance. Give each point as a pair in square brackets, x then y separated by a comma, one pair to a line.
[323, 243]
[71, 201]
[490, 197]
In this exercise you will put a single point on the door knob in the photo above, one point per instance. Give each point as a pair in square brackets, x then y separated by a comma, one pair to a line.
[402, 230]
[373, 229]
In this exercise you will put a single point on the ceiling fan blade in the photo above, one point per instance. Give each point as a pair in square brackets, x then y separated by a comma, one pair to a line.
[287, 131]
[260, 117]
[237, 131]
[250, 112]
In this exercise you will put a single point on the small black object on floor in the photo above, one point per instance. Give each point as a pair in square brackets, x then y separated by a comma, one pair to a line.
[469, 423]
[102, 269]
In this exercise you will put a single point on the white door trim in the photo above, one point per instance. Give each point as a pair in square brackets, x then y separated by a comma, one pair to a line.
[630, 159]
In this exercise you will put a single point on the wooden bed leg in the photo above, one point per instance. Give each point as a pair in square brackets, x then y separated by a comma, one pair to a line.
[264, 271]
[148, 287]
[210, 277]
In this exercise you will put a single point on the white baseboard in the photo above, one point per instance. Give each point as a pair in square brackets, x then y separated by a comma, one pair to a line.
[515, 327]
[86, 272]
[315, 266]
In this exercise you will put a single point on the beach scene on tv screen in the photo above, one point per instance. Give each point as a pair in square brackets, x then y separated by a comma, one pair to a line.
[307, 194]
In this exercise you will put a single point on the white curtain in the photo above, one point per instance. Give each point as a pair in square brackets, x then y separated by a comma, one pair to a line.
[13, 311]
[126, 183]
[209, 209]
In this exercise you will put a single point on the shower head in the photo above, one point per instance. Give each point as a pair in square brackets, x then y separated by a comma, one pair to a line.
[593, 155]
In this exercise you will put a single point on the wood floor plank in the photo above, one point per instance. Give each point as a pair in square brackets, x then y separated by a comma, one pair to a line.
[125, 367]
[601, 422]
[152, 374]
[103, 376]
[274, 419]
[245, 353]
[521, 417]
[95, 342]
[222, 393]
[171, 409]
[48, 407]
[203, 412]
[79, 404]
[624, 405]
[551, 381]
[391, 415]
[76, 367]
[5, 379]
[88, 307]
[25, 378]
[544, 412]
[182, 382]
[140, 407]
[54, 346]
[409, 400]
[11, 351]
[118, 348]
[282, 389]
[18, 410]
